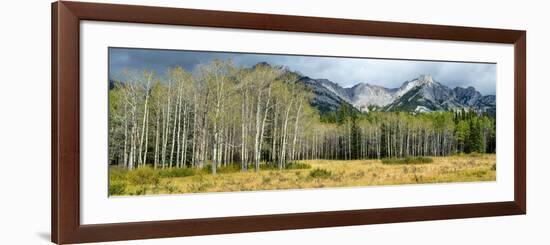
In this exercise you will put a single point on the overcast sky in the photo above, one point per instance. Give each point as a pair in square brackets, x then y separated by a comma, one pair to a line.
[344, 71]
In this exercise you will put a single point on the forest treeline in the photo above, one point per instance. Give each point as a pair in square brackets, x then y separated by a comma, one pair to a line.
[220, 114]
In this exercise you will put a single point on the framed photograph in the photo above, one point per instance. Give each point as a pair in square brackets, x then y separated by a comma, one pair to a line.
[176, 122]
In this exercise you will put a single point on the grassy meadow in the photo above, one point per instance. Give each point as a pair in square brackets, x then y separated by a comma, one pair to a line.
[305, 174]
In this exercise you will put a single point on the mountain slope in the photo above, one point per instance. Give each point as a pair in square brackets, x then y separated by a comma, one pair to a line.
[364, 96]
[328, 95]
[422, 94]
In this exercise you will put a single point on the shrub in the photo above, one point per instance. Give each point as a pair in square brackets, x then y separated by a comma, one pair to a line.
[319, 173]
[143, 176]
[494, 167]
[291, 165]
[117, 188]
[407, 160]
[117, 174]
[171, 188]
[141, 190]
[297, 165]
[175, 172]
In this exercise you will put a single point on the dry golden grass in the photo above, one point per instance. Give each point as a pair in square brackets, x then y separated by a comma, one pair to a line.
[341, 173]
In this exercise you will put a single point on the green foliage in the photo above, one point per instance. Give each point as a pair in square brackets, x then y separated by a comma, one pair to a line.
[117, 188]
[475, 132]
[222, 105]
[462, 134]
[346, 113]
[407, 160]
[475, 139]
[143, 176]
[289, 166]
[320, 173]
[117, 174]
[297, 165]
[117, 181]
[175, 172]
[328, 117]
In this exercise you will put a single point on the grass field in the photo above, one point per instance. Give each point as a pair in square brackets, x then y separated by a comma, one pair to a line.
[306, 174]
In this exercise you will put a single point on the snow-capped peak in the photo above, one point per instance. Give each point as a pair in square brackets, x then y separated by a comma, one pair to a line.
[421, 80]
[419, 95]
[407, 86]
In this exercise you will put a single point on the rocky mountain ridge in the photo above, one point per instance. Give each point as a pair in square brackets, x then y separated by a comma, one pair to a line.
[422, 94]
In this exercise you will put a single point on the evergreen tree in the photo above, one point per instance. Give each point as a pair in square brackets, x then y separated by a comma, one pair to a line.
[476, 136]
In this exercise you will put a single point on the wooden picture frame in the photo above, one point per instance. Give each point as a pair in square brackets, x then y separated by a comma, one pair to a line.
[66, 226]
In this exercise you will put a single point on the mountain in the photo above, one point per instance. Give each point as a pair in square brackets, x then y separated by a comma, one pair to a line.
[365, 97]
[328, 95]
[422, 94]
[487, 104]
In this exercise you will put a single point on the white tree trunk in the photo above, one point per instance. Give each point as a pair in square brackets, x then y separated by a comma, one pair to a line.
[296, 122]
[257, 133]
[282, 158]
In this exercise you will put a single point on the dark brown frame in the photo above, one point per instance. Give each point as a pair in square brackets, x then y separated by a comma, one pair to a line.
[66, 227]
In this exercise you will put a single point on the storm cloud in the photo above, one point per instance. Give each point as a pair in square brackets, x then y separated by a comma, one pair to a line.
[347, 72]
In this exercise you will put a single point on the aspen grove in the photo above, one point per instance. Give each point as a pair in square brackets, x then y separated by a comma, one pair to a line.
[220, 114]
